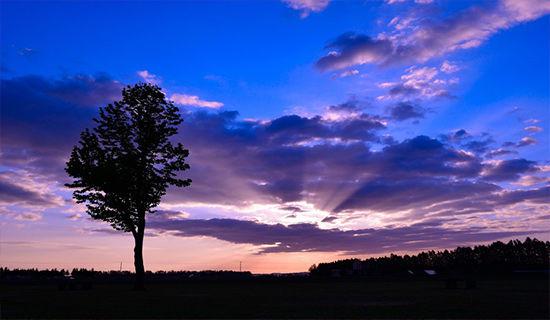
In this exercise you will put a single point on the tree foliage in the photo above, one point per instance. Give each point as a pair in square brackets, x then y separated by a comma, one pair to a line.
[124, 165]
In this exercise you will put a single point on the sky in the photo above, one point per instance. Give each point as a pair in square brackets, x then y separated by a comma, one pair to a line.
[318, 130]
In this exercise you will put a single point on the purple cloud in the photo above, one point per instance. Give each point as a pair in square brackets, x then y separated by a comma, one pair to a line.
[326, 161]
[308, 237]
[42, 118]
[431, 38]
[508, 170]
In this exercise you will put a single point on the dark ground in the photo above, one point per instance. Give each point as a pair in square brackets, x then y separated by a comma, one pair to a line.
[518, 297]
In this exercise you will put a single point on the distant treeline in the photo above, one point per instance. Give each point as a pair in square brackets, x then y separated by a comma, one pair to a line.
[497, 258]
[35, 275]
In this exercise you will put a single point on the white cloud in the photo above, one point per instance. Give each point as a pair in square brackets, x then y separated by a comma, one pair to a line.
[531, 121]
[526, 141]
[348, 73]
[149, 77]
[533, 129]
[190, 100]
[421, 82]
[307, 6]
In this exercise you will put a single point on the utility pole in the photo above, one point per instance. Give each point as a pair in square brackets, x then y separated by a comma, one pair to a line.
[240, 266]
[120, 266]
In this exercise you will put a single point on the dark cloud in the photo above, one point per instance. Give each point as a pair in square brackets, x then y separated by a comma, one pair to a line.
[479, 146]
[455, 137]
[387, 195]
[293, 129]
[406, 110]
[507, 170]
[347, 107]
[539, 196]
[233, 161]
[291, 208]
[42, 118]
[354, 49]
[308, 237]
[424, 156]
[460, 134]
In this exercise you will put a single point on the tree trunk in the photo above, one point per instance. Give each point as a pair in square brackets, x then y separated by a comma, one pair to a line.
[138, 260]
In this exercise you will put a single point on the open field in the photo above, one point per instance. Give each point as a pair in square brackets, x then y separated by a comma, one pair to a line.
[524, 297]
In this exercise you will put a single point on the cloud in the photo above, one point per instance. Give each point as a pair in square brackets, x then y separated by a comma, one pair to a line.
[325, 161]
[507, 170]
[531, 121]
[449, 67]
[149, 77]
[348, 73]
[406, 110]
[28, 216]
[42, 118]
[431, 38]
[478, 146]
[74, 216]
[306, 7]
[19, 189]
[499, 152]
[195, 101]
[387, 195]
[272, 238]
[417, 82]
[531, 180]
[26, 52]
[526, 141]
[272, 155]
[352, 49]
[533, 129]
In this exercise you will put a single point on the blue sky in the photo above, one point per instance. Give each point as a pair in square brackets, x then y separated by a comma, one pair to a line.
[463, 84]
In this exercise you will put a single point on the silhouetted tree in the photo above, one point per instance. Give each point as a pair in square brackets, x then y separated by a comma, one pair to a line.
[123, 166]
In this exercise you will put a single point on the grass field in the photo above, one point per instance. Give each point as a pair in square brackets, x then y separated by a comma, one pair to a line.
[507, 298]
